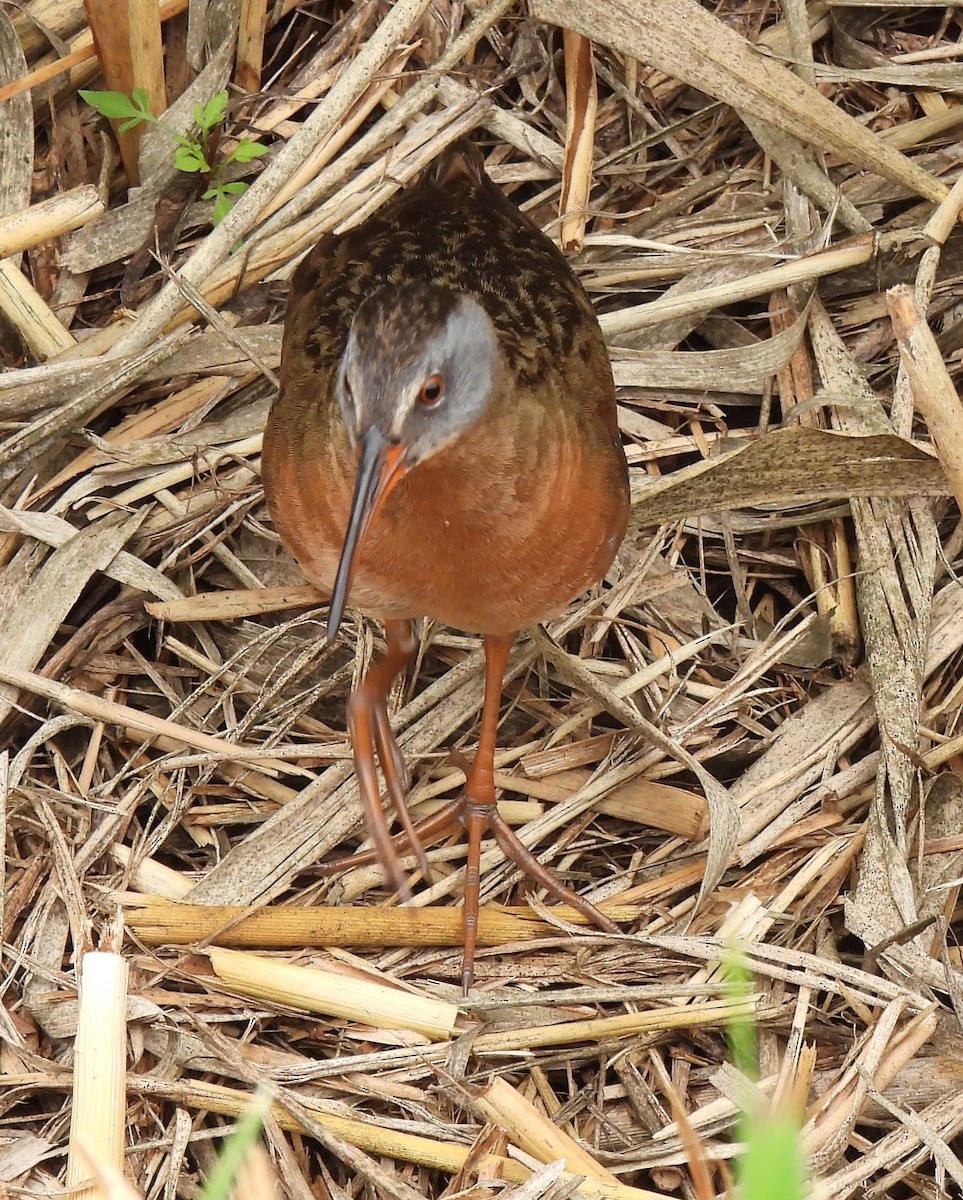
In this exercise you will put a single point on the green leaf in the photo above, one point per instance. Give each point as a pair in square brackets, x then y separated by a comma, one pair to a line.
[224, 189]
[141, 101]
[190, 158]
[740, 1030]
[219, 1184]
[222, 194]
[212, 113]
[772, 1167]
[113, 105]
[245, 151]
[222, 206]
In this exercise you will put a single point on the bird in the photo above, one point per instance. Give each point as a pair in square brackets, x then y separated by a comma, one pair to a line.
[444, 445]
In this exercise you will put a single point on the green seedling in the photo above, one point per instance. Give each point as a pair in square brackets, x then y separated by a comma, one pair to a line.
[191, 153]
[220, 1183]
[772, 1166]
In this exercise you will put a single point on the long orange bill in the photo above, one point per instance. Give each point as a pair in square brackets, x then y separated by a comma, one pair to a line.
[379, 469]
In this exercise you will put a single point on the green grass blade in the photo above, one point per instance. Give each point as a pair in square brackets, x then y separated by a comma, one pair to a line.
[220, 1182]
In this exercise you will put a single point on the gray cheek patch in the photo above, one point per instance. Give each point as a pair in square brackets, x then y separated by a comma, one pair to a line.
[389, 354]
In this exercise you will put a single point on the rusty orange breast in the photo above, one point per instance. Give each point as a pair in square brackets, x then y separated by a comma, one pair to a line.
[498, 531]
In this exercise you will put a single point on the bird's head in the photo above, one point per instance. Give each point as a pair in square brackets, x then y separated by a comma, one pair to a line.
[419, 369]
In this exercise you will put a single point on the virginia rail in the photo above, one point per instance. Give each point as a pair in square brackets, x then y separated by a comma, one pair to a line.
[444, 445]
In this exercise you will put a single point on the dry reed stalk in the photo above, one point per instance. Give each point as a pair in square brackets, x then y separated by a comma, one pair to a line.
[626, 797]
[30, 315]
[896, 1155]
[169, 413]
[707, 1012]
[33, 27]
[83, 53]
[49, 219]
[28, 628]
[933, 390]
[250, 44]
[795, 467]
[110, 1183]
[206, 460]
[672, 809]
[136, 723]
[710, 55]
[99, 1088]
[151, 877]
[800, 270]
[829, 566]
[381, 92]
[236, 603]
[581, 109]
[160, 922]
[529, 1128]
[80, 55]
[336, 995]
[945, 216]
[833, 1116]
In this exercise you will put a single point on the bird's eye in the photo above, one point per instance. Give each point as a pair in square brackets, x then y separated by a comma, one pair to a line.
[432, 391]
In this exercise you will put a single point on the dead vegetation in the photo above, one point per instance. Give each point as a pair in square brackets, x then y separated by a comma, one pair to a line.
[750, 734]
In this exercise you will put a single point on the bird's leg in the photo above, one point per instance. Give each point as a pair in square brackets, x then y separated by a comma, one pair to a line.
[371, 733]
[371, 736]
[479, 803]
[481, 814]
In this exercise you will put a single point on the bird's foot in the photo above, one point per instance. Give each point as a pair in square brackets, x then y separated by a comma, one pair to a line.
[457, 814]
[522, 857]
[480, 815]
[475, 809]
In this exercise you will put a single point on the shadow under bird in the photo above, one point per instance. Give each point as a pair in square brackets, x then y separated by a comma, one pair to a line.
[445, 445]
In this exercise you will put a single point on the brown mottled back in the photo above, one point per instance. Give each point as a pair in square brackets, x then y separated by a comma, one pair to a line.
[457, 227]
